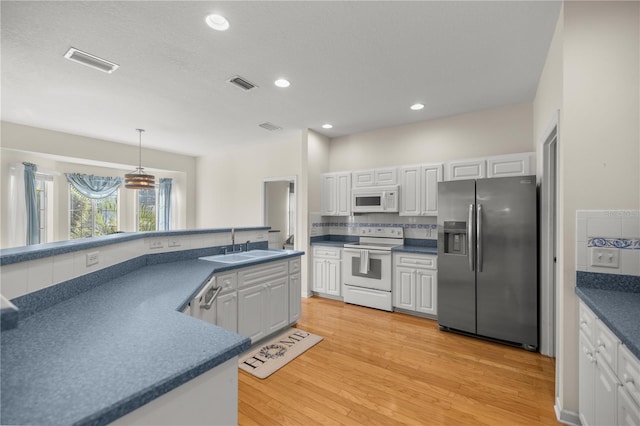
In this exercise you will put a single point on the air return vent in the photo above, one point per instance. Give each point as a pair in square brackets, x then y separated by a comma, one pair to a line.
[90, 60]
[270, 126]
[242, 83]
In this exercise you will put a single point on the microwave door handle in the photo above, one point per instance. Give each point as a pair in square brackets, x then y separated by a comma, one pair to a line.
[384, 200]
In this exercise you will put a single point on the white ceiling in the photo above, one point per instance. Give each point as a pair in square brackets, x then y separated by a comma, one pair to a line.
[357, 65]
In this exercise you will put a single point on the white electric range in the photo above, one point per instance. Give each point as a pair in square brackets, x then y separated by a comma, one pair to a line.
[367, 267]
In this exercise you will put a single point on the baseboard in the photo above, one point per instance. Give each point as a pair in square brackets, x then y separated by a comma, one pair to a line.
[565, 416]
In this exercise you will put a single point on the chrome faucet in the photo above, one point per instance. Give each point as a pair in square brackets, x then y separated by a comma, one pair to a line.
[246, 245]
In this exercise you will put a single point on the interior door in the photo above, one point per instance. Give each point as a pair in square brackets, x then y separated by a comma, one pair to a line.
[456, 275]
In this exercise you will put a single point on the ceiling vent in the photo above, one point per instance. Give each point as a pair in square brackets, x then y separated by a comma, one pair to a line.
[90, 60]
[242, 83]
[270, 126]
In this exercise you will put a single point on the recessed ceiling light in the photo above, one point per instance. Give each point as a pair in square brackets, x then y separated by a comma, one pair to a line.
[327, 126]
[417, 107]
[281, 82]
[217, 22]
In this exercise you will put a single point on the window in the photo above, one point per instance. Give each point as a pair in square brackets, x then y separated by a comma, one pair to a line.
[147, 208]
[90, 217]
[41, 206]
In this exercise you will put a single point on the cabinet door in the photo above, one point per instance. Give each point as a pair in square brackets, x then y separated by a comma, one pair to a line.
[431, 175]
[295, 297]
[410, 189]
[251, 312]
[343, 196]
[426, 292]
[333, 277]
[363, 178]
[227, 312]
[328, 194]
[628, 411]
[386, 176]
[606, 394]
[511, 165]
[404, 288]
[587, 374]
[319, 273]
[277, 304]
[466, 169]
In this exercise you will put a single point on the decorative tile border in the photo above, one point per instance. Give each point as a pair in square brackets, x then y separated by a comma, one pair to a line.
[620, 243]
[375, 225]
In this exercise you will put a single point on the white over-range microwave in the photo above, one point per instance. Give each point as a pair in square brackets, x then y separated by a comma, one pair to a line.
[375, 199]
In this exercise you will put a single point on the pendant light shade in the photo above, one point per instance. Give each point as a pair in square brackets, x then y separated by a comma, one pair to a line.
[138, 179]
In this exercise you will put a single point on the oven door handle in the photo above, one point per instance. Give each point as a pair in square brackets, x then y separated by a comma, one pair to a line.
[371, 251]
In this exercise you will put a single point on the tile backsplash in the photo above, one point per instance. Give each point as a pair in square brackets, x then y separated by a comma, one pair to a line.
[414, 227]
[616, 231]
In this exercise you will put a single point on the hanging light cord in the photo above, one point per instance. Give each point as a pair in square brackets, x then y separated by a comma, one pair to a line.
[140, 149]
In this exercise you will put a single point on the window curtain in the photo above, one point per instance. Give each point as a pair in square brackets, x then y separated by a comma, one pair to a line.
[33, 226]
[94, 187]
[164, 204]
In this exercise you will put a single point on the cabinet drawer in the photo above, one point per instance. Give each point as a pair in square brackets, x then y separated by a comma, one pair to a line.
[327, 252]
[416, 260]
[629, 372]
[587, 322]
[260, 274]
[295, 266]
[228, 282]
[607, 345]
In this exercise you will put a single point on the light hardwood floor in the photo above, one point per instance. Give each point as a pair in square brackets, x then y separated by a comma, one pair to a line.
[380, 368]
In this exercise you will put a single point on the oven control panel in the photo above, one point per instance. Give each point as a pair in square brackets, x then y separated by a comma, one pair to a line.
[386, 232]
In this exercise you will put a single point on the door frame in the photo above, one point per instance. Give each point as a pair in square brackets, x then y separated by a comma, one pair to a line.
[549, 239]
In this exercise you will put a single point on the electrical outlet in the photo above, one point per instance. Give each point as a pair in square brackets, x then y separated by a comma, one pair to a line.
[174, 243]
[93, 258]
[155, 244]
[605, 257]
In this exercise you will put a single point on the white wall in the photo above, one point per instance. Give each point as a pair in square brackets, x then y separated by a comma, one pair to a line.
[230, 181]
[66, 153]
[599, 141]
[318, 156]
[503, 130]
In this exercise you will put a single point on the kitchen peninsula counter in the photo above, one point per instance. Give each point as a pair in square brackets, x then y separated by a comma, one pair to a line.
[107, 351]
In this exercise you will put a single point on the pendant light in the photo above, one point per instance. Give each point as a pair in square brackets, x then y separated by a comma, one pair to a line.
[138, 179]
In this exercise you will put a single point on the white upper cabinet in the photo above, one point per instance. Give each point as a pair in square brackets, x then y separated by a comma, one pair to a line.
[375, 177]
[335, 194]
[419, 189]
[521, 164]
[467, 169]
[511, 165]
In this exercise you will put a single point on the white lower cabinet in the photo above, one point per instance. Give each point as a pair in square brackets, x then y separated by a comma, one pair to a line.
[327, 270]
[415, 283]
[256, 301]
[607, 375]
[263, 299]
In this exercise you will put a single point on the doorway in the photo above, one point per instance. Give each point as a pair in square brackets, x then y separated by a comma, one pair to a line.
[279, 211]
[548, 241]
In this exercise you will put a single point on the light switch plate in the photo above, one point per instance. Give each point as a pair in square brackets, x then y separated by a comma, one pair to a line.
[605, 257]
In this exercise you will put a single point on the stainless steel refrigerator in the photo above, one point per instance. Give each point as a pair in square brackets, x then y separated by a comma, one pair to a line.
[487, 259]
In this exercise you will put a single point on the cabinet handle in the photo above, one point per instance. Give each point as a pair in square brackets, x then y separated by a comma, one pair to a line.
[583, 322]
[628, 380]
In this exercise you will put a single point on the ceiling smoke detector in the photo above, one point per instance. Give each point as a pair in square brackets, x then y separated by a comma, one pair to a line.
[90, 60]
[242, 83]
[270, 126]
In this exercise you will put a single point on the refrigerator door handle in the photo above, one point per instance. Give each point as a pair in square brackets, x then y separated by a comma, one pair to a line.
[470, 238]
[479, 237]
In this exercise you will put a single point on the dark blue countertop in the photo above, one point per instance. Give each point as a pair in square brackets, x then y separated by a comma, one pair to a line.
[618, 308]
[105, 352]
